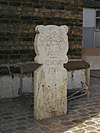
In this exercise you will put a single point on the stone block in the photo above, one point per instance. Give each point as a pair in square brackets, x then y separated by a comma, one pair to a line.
[50, 79]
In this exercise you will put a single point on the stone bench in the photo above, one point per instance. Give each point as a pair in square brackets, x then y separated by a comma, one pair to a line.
[27, 70]
[16, 79]
[78, 79]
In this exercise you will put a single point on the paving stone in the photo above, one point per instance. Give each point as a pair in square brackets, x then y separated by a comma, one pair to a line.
[21, 128]
[72, 117]
[82, 110]
[20, 123]
[67, 132]
[7, 113]
[8, 131]
[45, 129]
[44, 122]
[30, 117]
[29, 121]
[21, 119]
[98, 129]
[21, 131]
[7, 121]
[7, 126]
[33, 125]
[85, 118]
[93, 132]
[67, 123]
[77, 121]
[92, 115]
[55, 126]
[58, 131]
[72, 129]
[79, 131]
[35, 130]
[84, 114]
[97, 125]
[90, 123]
[7, 117]
[90, 128]
[81, 125]
[73, 112]
[93, 112]
[32, 131]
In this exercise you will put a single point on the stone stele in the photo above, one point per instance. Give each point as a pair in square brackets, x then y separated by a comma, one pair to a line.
[50, 79]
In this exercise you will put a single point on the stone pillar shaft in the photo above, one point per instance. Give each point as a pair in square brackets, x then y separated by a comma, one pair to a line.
[50, 79]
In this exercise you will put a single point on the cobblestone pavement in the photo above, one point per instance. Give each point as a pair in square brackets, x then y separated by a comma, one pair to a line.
[83, 116]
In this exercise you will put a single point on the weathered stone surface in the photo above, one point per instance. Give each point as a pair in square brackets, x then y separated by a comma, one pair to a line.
[50, 80]
[8, 86]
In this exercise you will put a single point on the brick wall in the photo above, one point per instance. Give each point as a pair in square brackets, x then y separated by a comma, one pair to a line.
[18, 19]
